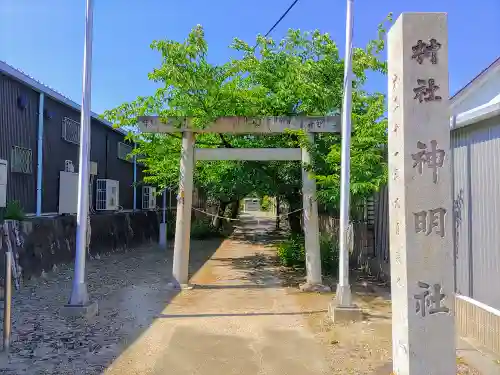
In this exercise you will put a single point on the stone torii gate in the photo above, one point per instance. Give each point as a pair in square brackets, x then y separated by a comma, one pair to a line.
[243, 125]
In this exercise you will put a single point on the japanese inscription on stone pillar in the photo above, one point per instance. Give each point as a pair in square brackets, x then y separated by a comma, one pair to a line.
[420, 196]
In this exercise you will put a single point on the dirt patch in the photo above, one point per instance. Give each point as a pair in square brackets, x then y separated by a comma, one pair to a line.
[364, 347]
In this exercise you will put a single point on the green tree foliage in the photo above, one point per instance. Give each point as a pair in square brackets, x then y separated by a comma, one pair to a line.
[299, 75]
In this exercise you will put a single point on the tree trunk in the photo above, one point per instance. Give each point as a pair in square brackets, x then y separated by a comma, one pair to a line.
[294, 222]
[235, 209]
[277, 213]
[295, 203]
[217, 223]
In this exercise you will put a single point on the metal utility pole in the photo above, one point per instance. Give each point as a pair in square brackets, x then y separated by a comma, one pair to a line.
[79, 295]
[343, 295]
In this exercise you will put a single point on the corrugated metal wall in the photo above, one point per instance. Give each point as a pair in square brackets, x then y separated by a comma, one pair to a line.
[18, 127]
[381, 225]
[120, 170]
[56, 151]
[476, 164]
[461, 211]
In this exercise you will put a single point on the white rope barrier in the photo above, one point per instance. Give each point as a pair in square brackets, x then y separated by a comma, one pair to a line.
[227, 218]
[287, 214]
[214, 215]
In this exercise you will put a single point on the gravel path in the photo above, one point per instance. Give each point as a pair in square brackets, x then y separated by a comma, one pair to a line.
[130, 289]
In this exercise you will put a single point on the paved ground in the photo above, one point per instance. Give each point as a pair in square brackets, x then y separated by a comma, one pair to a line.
[238, 320]
[244, 316]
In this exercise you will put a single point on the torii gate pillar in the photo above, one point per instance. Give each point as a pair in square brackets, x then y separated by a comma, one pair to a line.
[311, 227]
[183, 218]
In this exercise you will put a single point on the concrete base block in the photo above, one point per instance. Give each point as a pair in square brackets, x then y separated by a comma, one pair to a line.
[87, 311]
[341, 314]
[315, 288]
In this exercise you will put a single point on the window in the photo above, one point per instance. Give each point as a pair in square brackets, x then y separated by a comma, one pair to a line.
[71, 130]
[123, 151]
[21, 160]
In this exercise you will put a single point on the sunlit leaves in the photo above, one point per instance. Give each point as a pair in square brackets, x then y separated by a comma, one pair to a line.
[302, 74]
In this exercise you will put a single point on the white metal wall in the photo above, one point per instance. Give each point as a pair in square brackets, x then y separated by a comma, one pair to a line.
[476, 194]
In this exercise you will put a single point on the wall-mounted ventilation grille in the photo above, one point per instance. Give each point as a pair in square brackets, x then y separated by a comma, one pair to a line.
[71, 130]
[21, 160]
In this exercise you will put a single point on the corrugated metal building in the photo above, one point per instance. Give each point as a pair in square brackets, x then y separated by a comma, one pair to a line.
[20, 119]
[476, 171]
[475, 141]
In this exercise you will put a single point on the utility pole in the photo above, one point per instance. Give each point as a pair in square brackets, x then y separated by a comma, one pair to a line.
[79, 304]
[343, 308]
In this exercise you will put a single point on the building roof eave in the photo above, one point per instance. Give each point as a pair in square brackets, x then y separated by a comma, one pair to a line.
[475, 115]
[475, 83]
[40, 87]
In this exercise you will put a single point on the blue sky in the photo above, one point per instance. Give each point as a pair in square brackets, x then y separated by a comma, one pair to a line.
[45, 38]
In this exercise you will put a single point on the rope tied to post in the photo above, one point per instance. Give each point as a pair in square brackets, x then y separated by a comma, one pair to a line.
[231, 219]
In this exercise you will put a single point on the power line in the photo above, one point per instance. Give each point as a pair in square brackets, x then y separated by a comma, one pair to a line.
[281, 18]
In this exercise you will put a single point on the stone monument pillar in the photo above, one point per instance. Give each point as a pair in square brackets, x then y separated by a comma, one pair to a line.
[420, 198]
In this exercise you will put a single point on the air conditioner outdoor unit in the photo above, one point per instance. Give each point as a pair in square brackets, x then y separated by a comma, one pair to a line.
[107, 197]
[148, 198]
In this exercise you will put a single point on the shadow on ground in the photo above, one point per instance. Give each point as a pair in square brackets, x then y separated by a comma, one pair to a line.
[131, 290]
[248, 314]
[259, 267]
